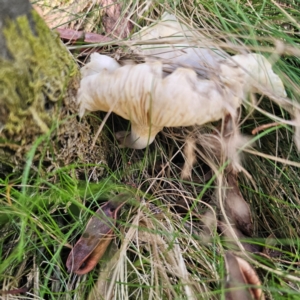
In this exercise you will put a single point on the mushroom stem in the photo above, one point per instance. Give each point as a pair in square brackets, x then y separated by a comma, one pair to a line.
[139, 137]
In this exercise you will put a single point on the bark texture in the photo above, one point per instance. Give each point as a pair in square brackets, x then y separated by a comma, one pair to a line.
[10, 10]
[38, 83]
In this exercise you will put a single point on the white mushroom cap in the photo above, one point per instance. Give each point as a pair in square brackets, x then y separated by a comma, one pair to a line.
[98, 63]
[141, 94]
[259, 74]
[176, 45]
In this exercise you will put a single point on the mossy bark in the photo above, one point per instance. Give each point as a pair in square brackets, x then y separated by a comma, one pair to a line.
[38, 83]
[35, 72]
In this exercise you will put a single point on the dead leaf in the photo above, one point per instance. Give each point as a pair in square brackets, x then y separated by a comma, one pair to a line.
[241, 274]
[61, 15]
[88, 37]
[73, 14]
[95, 239]
[14, 291]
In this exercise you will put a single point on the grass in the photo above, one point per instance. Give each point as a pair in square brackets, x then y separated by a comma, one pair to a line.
[164, 246]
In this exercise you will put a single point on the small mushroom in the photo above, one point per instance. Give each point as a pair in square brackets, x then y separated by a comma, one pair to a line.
[150, 100]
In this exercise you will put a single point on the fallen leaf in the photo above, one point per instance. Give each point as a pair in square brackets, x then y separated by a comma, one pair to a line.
[63, 14]
[241, 274]
[88, 37]
[97, 236]
[14, 291]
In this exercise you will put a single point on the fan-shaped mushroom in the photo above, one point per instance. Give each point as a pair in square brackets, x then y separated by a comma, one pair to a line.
[142, 94]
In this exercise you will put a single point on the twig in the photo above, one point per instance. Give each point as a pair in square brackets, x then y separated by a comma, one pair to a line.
[263, 127]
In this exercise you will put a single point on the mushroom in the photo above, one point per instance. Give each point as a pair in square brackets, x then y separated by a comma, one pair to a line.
[99, 63]
[258, 74]
[177, 45]
[150, 100]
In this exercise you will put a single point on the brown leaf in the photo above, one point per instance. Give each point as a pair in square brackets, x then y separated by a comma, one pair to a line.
[95, 239]
[241, 274]
[88, 37]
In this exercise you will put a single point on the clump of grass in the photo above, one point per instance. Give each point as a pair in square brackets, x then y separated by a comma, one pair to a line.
[163, 248]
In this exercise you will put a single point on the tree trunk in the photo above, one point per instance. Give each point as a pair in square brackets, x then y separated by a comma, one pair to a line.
[38, 83]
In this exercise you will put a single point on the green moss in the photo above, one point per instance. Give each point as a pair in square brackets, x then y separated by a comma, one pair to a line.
[37, 75]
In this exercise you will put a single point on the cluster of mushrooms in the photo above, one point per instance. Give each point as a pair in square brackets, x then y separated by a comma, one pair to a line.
[179, 84]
